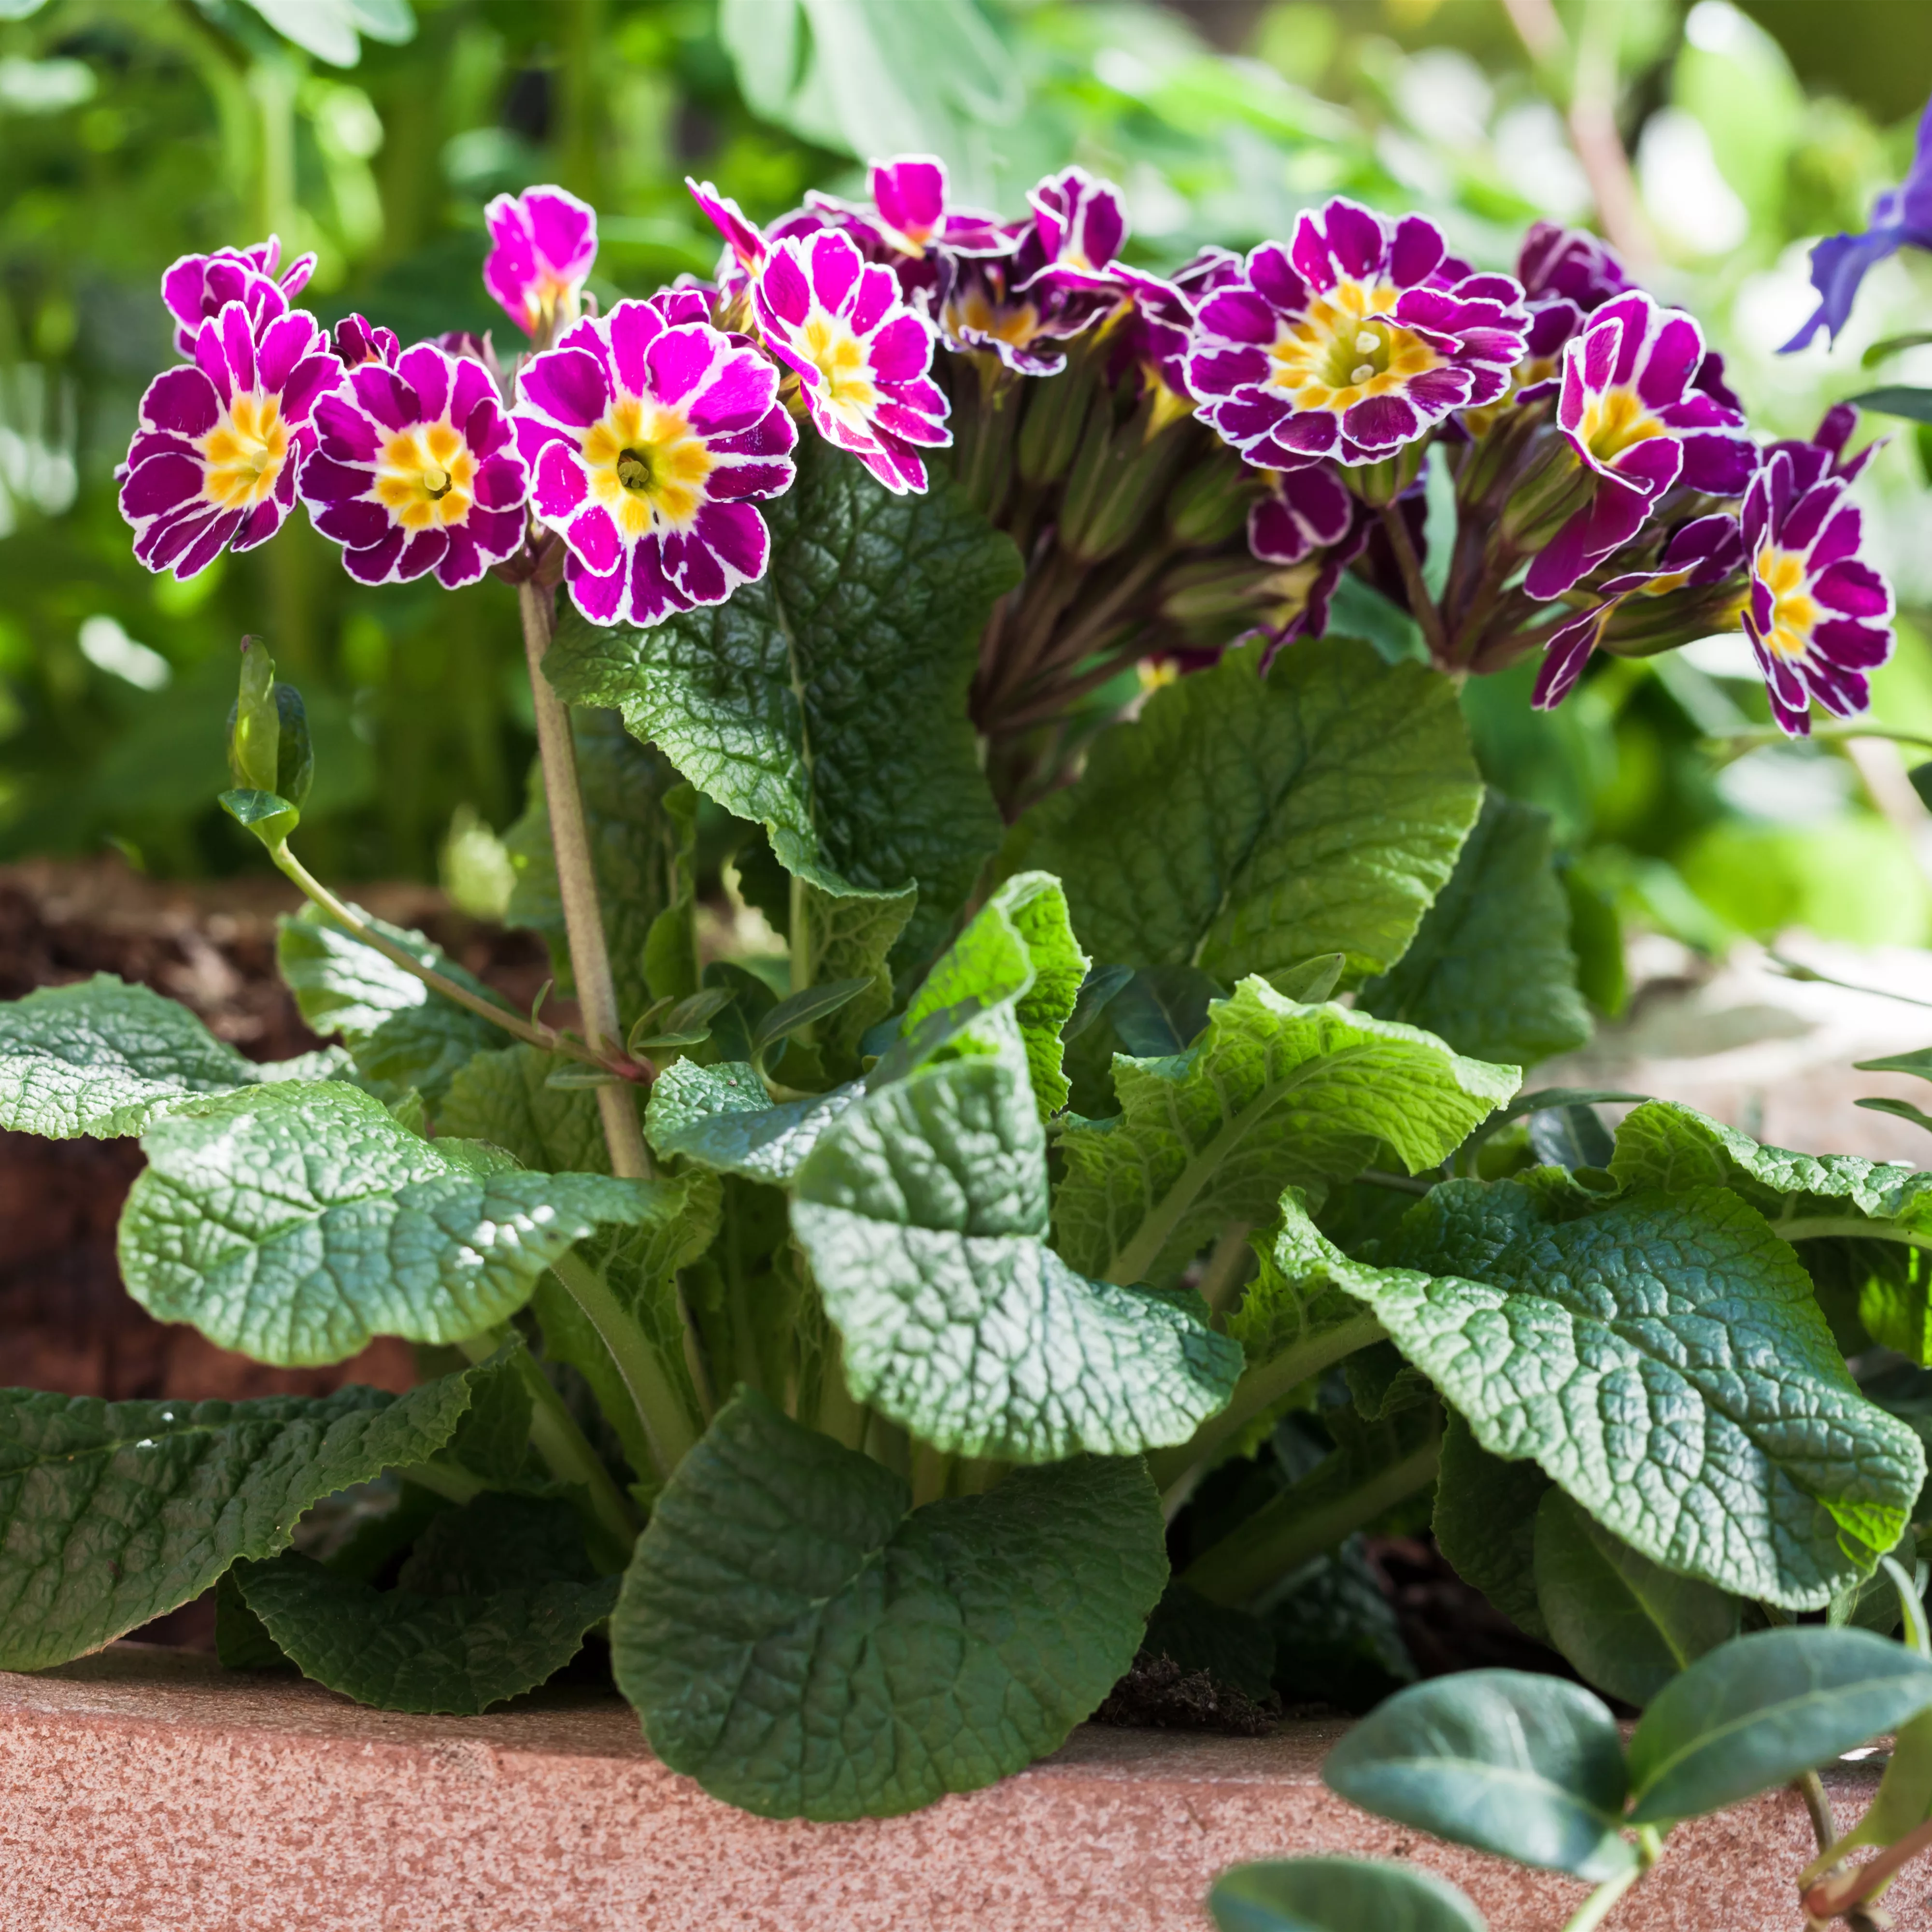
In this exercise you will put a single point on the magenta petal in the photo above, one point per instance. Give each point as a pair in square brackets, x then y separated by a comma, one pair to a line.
[593, 538]
[376, 564]
[601, 598]
[182, 400]
[429, 373]
[678, 362]
[564, 230]
[357, 525]
[1854, 589]
[567, 385]
[632, 328]
[163, 483]
[463, 562]
[560, 487]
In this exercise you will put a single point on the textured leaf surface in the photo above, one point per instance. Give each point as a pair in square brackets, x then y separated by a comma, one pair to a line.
[1490, 969]
[637, 812]
[1664, 1359]
[501, 1097]
[1530, 1767]
[1338, 1895]
[101, 1059]
[1485, 1524]
[1761, 1710]
[850, 936]
[1273, 1095]
[827, 700]
[923, 1211]
[495, 1599]
[1626, 1624]
[721, 1117]
[399, 1033]
[113, 1513]
[1244, 824]
[802, 1646]
[293, 1222]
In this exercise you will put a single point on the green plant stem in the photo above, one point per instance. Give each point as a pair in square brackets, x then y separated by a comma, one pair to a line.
[566, 1453]
[1222, 1279]
[1791, 969]
[662, 1413]
[838, 1415]
[577, 887]
[1259, 1389]
[1816, 1227]
[799, 907]
[1422, 606]
[533, 1031]
[1278, 1538]
[1833, 1897]
[932, 1470]
[1596, 1908]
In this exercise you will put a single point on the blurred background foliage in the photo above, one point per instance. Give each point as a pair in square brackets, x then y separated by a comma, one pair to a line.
[373, 131]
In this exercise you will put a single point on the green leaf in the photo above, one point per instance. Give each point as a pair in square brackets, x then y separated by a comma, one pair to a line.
[641, 819]
[722, 1117]
[802, 1645]
[1919, 1062]
[827, 701]
[1901, 1110]
[1529, 1767]
[1245, 823]
[1338, 1638]
[269, 816]
[1762, 1709]
[1338, 1895]
[504, 1097]
[850, 936]
[1490, 970]
[1020, 948]
[1273, 1095]
[800, 1010]
[399, 1033]
[295, 1221]
[495, 1600]
[112, 1513]
[1664, 1359]
[1627, 1625]
[101, 1059]
[1485, 1524]
[1897, 399]
[492, 1443]
[922, 1212]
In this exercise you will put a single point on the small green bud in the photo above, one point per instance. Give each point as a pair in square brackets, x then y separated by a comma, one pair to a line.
[1119, 477]
[1211, 502]
[268, 748]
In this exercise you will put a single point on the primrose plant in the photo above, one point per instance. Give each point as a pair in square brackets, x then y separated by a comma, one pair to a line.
[1115, 1194]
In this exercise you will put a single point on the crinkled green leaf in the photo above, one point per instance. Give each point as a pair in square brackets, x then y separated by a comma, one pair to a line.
[1485, 1524]
[722, 1117]
[1662, 1357]
[1244, 823]
[492, 1443]
[1273, 1095]
[827, 701]
[1529, 1767]
[101, 1059]
[851, 936]
[294, 1221]
[1336, 1894]
[923, 1211]
[797, 1642]
[495, 1599]
[112, 1513]
[1754, 1714]
[503, 1097]
[1490, 970]
[642, 824]
[399, 1033]
[1627, 1625]
[1018, 947]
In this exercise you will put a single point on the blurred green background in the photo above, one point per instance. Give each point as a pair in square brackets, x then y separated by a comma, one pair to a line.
[374, 131]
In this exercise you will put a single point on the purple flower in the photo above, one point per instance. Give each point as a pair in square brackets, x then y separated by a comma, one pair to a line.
[1824, 455]
[1154, 337]
[220, 439]
[863, 357]
[1819, 616]
[358, 340]
[1569, 265]
[1697, 554]
[744, 245]
[983, 308]
[1630, 408]
[1304, 511]
[416, 470]
[912, 210]
[649, 435]
[197, 287]
[1078, 227]
[1361, 336]
[1902, 216]
[543, 243]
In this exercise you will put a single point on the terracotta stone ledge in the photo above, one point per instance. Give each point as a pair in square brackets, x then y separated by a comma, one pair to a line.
[144, 1790]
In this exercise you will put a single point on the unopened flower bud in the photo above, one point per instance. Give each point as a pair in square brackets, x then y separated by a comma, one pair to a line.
[1211, 501]
[269, 748]
[1118, 478]
[1055, 414]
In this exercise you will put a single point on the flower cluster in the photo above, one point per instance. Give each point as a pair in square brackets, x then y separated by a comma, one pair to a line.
[1184, 460]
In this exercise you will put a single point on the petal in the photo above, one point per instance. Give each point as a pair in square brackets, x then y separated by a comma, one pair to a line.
[182, 400]
[567, 385]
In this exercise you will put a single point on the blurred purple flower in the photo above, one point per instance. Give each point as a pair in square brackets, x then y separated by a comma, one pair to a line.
[220, 439]
[1819, 616]
[198, 287]
[543, 244]
[416, 470]
[357, 340]
[649, 435]
[1901, 218]
[1823, 454]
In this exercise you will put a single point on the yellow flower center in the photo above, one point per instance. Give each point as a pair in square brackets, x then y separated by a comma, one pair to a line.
[838, 355]
[1344, 348]
[1793, 614]
[975, 309]
[243, 453]
[1614, 420]
[425, 477]
[646, 468]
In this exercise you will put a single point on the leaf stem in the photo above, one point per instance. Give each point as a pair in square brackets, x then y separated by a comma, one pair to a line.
[1817, 1227]
[1596, 1908]
[1223, 1278]
[566, 1453]
[1833, 1898]
[1260, 1387]
[662, 1413]
[577, 886]
[535, 1032]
